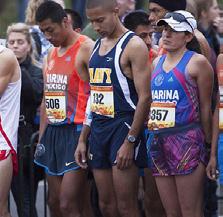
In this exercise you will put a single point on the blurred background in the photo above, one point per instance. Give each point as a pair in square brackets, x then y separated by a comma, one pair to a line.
[14, 11]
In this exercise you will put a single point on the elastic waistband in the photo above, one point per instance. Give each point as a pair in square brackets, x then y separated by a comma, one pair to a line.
[117, 115]
[177, 129]
[78, 126]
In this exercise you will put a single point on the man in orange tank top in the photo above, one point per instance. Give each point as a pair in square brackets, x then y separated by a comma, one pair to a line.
[66, 91]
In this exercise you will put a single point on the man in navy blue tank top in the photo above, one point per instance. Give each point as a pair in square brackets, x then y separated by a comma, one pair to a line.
[119, 102]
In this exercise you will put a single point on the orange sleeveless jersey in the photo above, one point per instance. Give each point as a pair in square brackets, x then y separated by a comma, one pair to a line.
[66, 94]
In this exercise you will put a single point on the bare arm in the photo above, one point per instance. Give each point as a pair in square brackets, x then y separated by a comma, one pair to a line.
[141, 73]
[8, 68]
[201, 70]
[43, 118]
[137, 54]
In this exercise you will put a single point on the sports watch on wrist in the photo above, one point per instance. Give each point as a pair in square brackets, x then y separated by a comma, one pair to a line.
[131, 138]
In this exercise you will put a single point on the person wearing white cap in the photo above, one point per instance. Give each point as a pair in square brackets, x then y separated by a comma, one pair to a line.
[180, 118]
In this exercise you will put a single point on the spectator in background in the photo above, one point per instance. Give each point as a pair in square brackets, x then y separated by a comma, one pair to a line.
[157, 10]
[40, 44]
[208, 14]
[125, 6]
[19, 41]
[75, 19]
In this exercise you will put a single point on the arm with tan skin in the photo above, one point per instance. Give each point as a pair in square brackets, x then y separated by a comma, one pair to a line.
[8, 68]
[212, 164]
[80, 154]
[82, 62]
[137, 56]
[43, 117]
[204, 76]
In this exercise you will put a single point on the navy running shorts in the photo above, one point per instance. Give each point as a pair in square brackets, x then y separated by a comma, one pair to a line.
[107, 136]
[56, 149]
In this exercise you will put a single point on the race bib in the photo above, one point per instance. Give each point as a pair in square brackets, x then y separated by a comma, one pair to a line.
[221, 116]
[162, 115]
[55, 106]
[102, 100]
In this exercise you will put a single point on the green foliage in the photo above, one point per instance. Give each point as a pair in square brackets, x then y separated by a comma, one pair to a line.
[7, 16]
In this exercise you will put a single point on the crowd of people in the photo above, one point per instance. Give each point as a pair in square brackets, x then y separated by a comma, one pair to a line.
[128, 107]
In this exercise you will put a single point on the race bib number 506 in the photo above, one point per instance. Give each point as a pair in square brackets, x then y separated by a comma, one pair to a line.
[162, 115]
[55, 106]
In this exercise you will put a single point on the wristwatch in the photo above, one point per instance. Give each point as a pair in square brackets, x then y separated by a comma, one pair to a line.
[131, 138]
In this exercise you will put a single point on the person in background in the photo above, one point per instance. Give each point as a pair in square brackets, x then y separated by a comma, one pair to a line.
[75, 19]
[125, 6]
[10, 89]
[19, 41]
[138, 22]
[208, 14]
[40, 44]
[157, 10]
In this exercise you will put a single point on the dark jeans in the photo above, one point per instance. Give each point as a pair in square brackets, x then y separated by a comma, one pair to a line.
[21, 187]
[22, 195]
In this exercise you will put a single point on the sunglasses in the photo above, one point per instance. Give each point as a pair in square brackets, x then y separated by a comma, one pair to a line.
[178, 17]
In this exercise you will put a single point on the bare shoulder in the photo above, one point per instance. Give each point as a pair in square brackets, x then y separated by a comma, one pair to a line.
[7, 56]
[87, 45]
[220, 59]
[198, 60]
[8, 61]
[198, 64]
[137, 46]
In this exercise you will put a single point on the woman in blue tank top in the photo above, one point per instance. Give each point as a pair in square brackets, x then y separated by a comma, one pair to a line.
[180, 118]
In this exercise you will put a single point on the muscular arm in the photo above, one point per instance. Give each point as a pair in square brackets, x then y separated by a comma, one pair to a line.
[8, 67]
[141, 73]
[137, 56]
[201, 70]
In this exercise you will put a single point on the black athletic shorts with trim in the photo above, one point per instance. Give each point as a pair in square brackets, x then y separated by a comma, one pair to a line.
[56, 149]
[107, 136]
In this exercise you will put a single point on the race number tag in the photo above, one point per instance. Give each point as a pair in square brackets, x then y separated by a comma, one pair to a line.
[221, 116]
[102, 100]
[162, 115]
[55, 106]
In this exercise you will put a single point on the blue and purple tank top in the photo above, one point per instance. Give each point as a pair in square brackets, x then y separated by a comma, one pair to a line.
[177, 87]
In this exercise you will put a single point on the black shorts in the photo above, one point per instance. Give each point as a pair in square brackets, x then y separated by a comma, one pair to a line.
[107, 136]
[56, 149]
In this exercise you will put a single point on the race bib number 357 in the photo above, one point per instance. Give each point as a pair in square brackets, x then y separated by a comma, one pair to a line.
[162, 115]
[102, 100]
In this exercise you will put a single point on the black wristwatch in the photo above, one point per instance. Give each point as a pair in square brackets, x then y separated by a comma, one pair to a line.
[131, 138]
